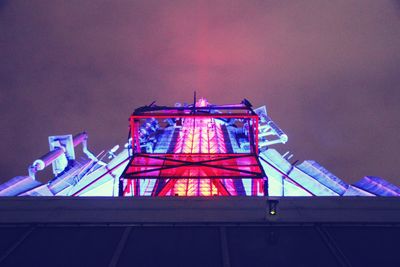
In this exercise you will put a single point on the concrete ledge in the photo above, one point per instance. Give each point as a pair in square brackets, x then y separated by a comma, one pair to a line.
[201, 210]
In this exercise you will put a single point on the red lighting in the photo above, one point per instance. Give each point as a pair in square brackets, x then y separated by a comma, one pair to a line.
[199, 163]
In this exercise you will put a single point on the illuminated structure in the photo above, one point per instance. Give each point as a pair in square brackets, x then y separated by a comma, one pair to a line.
[189, 150]
[199, 181]
[199, 159]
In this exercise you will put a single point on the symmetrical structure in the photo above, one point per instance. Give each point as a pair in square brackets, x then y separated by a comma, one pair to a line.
[193, 154]
[189, 150]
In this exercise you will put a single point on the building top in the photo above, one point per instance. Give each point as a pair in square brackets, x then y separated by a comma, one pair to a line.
[191, 150]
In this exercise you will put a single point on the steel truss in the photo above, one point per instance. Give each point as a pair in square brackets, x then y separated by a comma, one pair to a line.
[199, 164]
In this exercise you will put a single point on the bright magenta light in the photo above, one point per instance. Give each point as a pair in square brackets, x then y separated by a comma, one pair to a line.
[198, 135]
[199, 163]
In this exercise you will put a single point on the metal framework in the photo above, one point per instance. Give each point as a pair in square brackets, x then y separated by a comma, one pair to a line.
[199, 160]
[189, 150]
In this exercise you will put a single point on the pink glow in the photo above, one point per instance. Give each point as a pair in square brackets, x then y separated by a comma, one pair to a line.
[200, 163]
[198, 135]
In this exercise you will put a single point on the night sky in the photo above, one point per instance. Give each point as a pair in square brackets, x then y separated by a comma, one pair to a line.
[328, 71]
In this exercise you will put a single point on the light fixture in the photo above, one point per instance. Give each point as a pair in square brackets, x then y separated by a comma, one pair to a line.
[273, 207]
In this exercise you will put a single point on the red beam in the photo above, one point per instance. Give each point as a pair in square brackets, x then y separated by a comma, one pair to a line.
[128, 188]
[221, 188]
[168, 186]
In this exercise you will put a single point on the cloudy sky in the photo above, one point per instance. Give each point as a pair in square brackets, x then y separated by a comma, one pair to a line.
[328, 71]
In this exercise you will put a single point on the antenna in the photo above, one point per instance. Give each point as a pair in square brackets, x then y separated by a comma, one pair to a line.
[194, 102]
